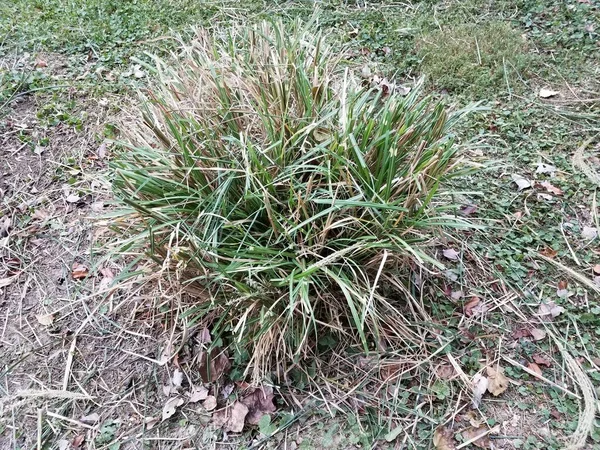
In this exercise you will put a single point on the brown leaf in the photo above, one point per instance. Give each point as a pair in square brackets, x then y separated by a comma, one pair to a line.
[451, 254]
[443, 439]
[102, 150]
[549, 252]
[204, 336]
[471, 305]
[238, 416]
[259, 403]
[170, 407]
[550, 310]
[538, 334]
[40, 214]
[551, 188]
[79, 271]
[562, 284]
[214, 366]
[198, 394]
[535, 368]
[497, 382]
[541, 360]
[107, 280]
[467, 210]
[40, 63]
[445, 371]
[231, 418]
[220, 417]
[78, 441]
[483, 441]
[522, 332]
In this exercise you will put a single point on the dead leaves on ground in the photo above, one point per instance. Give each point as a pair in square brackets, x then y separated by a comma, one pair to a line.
[79, 271]
[443, 439]
[248, 408]
[259, 403]
[497, 381]
[231, 418]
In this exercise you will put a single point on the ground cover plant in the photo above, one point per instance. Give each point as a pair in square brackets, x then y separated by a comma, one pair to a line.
[500, 346]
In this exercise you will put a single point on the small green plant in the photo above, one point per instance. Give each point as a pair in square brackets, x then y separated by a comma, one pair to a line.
[264, 172]
[474, 59]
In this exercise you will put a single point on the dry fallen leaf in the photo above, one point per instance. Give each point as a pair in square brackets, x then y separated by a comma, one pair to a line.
[545, 168]
[73, 198]
[549, 310]
[210, 403]
[177, 378]
[45, 319]
[102, 150]
[259, 403]
[237, 419]
[204, 336]
[198, 394]
[79, 271]
[480, 385]
[521, 182]
[443, 439]
[151, 422]
[547, 93]
[541, 360]
[78, 441]
[589, 233]
[537, 334]
[551, 188]
[467, 210]
[214, 365]
[471, 305]
[451, 254]
[473, 432]
[170, 407]
[497, 382]
[535, 368]
[445, 371]
[90, 419]
[456, 295]
[166, 354]
[107, 280]
[549, 252]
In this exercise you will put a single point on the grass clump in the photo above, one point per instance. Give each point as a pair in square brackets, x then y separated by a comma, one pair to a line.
[262, 170]
[473, 59]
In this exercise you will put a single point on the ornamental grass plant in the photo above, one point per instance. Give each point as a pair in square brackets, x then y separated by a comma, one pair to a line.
[261, 169]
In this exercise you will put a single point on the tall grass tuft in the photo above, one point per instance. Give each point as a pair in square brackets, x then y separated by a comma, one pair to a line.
[263, 171]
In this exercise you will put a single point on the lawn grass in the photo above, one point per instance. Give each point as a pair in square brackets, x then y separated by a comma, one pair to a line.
[511, 50]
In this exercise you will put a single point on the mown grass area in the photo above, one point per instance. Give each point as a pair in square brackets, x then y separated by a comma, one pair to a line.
[498, 52]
